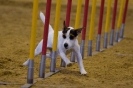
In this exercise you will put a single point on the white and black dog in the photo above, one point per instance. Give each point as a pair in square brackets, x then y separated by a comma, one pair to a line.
[67, 39]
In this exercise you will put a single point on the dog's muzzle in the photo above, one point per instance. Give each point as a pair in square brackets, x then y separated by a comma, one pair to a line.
[66, 45]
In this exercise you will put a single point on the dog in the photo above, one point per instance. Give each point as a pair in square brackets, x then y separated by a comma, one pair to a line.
[67, 39]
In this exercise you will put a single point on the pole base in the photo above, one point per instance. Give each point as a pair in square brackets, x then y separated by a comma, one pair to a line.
[82, 48]
[98, 42]
[111, 37]
[89, 48]
[117, 36]
[105, 40]
[72, 58]
[53, 62]
[63, 64]
[42, 67]
[122, 31]
[30, 72]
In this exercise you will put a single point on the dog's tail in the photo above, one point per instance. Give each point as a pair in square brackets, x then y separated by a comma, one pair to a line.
[43, 20]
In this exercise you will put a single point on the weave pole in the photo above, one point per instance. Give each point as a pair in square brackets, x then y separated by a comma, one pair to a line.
[119, 20]
[124, 19]
[55, 38]
[107, 24]
[100, 26]
[91, 27]
[84, 27]
[45, 38]
[32, 43]
[68, 13]
[77, 22]
[113, 22]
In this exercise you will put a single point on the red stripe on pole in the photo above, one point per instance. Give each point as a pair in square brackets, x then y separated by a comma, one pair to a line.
[101, 17]
[114, 14]
[46, 27]
[85, 19]
[125, 11]
[69, 4]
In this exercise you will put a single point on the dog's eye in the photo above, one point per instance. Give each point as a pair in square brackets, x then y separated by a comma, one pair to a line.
[64, 36]
[71, 37]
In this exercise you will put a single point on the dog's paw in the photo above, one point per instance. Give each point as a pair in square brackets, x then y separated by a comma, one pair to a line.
[83, 72]
[69, 64]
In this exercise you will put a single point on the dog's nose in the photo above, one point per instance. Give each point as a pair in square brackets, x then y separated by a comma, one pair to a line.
[65, 45]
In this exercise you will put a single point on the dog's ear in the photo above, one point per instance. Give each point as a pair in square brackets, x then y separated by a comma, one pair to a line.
[65, 28]
[78, 30]
[64, 25]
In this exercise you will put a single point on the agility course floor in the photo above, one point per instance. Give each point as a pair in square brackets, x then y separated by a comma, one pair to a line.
[112, 68]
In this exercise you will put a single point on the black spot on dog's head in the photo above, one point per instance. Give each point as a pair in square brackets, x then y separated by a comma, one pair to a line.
[64, 36]
[74, 33]
[65, 29]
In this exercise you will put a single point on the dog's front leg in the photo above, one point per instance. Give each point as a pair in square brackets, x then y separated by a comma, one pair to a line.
[63, 56]
[79, 59]
[65, 59]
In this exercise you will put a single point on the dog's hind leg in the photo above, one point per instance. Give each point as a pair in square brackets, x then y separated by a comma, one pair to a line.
[37, 51]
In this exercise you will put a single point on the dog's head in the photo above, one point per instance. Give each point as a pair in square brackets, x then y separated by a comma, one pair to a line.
[69, 35]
